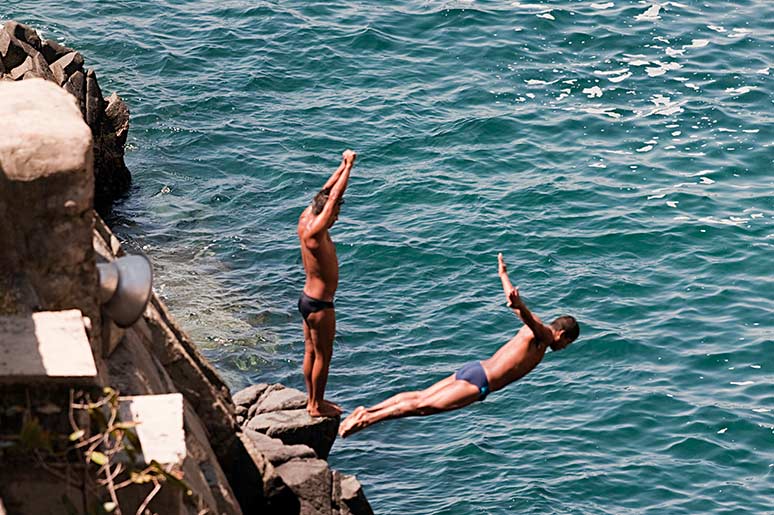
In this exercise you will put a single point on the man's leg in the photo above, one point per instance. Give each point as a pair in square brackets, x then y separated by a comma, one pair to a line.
[322, 329]
[308, 362]
[448, 394]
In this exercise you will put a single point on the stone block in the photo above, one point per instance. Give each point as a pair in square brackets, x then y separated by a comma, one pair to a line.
[276, 451]
[26, 66]
[23, 33]
[248, 396]
[281, 399]
[159, 427]
[117, 113]
[297, 427]
[76, 86]
[40, 68]
[310, 480]
[349, 495]
[12, 52]
[65, 66]
[94, 102]
[45, 347]
[53, 51]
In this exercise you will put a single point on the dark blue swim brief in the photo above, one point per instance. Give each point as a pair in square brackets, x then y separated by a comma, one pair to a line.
[474, 373]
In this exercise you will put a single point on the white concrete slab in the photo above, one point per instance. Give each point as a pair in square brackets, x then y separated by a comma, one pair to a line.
[160, 425]
[45, 346]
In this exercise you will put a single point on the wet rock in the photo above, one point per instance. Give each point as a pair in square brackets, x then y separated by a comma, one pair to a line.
[23, 33]
[65, 66]
[276, 451]
[310, 480]
[297, 427]
[53, 51]
[11, 51]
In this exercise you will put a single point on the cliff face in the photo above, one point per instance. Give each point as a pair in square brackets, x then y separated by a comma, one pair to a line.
[173, 436]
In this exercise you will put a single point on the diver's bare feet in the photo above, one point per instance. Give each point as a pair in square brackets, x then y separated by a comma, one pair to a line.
[324, 409]
[349, 156]
[353, 423]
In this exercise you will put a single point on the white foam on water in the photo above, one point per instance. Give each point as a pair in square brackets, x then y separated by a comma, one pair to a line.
[646, 148]
[547, 16]
[676, 133]
[620, 78]
[660, 195]
[751, 131]
[537, 82]
[593, 92]
[739, 91]
[611, 72]
[530, 95]
[702, 172]
[706, 180]
[607, 111]
[607, 5]
[598, 165]
[636, 59]
[651, 14]
[755, 366]
[742, 383]
[655, 72]
[764, 71]
[722, 430]
[671, 52]
[692, 86]
[697, 43]
[761, 410]
[735, 33]
[756, 215]
[670, 147]
[672, 203]
[662, 39]
[716, 28]
[723, 129]
[570, 81]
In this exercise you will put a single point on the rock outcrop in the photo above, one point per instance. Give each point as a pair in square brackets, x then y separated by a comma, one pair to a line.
[24, 55]
[274, 417]
[262, 454]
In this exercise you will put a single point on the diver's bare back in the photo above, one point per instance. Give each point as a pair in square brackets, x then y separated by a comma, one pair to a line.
[513, 360]
[318, 253]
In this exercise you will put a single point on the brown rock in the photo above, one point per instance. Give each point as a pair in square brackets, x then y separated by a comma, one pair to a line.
[348, 495]
[23, 33]
[18, 72]
[281, 399]
[276, 451]
[40, 68]
[66, 65]
[11, 51]
[297, 427]
[310, 480]
[53, 51]
[117, 114]
[76, 86]
[95, 104]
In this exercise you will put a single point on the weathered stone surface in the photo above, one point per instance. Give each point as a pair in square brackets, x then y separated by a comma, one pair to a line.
[23, 33]
[117, 114]
[349, 495]
[276, 451]
[40, 68]
[26, 66]
[310, 480]
[95, 104]
[281, 399]
[248, 396]
[76, 86]
[66, 65]
[53, 51]
[45, 346]
[297, 427]
[11, 51]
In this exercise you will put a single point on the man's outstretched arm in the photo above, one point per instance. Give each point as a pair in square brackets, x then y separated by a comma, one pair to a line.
[516, 303]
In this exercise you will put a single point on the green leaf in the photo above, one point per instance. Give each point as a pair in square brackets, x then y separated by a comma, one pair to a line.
[141, 477]
[98, 458]
[77, 435]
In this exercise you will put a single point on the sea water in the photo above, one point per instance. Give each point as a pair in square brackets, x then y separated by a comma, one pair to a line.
[618, 153]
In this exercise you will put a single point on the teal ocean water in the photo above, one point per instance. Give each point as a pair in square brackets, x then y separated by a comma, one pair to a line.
[619, 153]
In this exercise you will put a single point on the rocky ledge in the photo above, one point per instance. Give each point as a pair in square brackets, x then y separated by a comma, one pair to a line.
[275, 420]
[24, 55]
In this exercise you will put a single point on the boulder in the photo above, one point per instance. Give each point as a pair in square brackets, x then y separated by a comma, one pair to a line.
[280, 399]
[65, 66]
[297, 427]
[76, 86]
[348, 496]
[94, 102]
[23, 33]
[310, 480]
[11, 51]
[249, 395]
[40, 68]
[53, 51]
[18, 72]
[275, 451]
[117, 114]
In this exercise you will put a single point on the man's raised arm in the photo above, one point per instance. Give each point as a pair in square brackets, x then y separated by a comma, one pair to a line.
[516, 303]
[337, 192]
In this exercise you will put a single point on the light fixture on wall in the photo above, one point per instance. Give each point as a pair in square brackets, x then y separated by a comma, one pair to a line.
[125, 288]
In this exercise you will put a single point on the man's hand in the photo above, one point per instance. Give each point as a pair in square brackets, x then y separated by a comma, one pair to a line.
[349, 156]
[501, 268]
[514, 299]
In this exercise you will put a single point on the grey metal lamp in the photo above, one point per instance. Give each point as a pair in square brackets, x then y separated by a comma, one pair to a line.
[125, 287]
